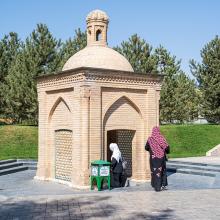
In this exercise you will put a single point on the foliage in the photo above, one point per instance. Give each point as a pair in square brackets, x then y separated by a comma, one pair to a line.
[179, 99]
[38, 57]
[138, 53]
[41, 53]
[72, 46]
[169, 66]
[9, 47]
[207, 74]
[186, 99]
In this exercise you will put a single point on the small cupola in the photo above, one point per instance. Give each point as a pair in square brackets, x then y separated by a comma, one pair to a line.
[97, 25]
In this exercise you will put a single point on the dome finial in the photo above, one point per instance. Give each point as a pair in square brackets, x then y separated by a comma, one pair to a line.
[97, 25]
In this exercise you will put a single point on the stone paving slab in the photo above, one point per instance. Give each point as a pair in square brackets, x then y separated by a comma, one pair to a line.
[23, 184]
[191, 204]
[188, 197]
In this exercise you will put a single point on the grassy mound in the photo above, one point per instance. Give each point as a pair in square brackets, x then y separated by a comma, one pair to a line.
[18, 142]
[185, 140]
[191, 140]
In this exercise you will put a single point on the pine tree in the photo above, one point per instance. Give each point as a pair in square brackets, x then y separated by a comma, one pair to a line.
[9, 47]
[72, 46]
[207, 74]
[38, 57]
[168, 65]
[187, 100]
[138, 53]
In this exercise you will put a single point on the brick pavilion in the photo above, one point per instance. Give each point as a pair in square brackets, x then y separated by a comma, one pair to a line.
[96, 99]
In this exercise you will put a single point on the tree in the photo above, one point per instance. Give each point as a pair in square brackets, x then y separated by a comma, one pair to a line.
[207, 74]
[187, 99]
[168, 65]
[9, 47]
[72, 46]
[179, 99]
[38, 57]
[138, 53]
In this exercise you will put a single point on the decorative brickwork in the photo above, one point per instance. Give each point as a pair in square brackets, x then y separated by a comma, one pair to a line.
[63, 157]
[124, 141]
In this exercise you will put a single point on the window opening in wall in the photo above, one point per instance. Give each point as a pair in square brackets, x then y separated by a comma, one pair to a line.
[98, 35]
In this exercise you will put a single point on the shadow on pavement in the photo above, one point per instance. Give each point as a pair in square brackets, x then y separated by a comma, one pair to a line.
[99, 207]
[75, 208]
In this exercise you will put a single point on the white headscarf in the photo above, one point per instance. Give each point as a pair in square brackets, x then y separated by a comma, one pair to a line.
[116, 152]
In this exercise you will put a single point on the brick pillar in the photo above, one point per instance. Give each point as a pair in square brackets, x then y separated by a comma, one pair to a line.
[95, 124]
[158, 106]
[152, 119]
[76, 155]
[85, 101]
[42, 170]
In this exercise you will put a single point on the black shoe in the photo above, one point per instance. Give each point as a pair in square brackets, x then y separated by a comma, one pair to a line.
[164, 188]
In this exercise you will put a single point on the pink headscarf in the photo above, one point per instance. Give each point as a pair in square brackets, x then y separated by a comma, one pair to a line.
[157, 142]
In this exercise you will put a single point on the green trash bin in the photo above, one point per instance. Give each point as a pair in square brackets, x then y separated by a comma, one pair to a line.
[100, 171]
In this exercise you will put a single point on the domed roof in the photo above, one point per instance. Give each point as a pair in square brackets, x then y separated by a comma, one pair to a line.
[98, 57]
[97, 54]
[97, 15]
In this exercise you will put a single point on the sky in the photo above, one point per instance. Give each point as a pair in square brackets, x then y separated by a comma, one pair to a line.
[183, 27]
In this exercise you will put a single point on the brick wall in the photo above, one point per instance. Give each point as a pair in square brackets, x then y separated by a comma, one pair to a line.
[89, 107]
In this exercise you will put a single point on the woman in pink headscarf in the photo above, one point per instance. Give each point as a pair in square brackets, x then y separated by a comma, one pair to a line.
[158, 148]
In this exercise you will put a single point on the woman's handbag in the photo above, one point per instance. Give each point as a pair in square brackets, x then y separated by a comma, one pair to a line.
[124, 164]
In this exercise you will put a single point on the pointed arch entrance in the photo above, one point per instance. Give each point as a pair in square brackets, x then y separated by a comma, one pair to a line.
[123, 124]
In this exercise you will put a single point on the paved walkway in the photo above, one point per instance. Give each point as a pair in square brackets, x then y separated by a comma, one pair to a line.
[23, 184]
[189, 197]
[190, 204]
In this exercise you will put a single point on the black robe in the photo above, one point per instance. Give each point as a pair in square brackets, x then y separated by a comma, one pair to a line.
[116, 174]
[158, 169]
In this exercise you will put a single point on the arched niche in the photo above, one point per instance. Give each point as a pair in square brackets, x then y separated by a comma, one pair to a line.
[123, 116]
[59, 101]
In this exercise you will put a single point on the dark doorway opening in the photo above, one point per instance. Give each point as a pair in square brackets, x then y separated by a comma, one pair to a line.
[124, 140]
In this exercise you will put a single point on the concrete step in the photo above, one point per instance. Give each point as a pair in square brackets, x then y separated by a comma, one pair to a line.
[30, 162]
[193, 167]
[12, 170]
[198, 172]
[7, 161]
[192, 163]
[16, 165]
[10, 165]
[32, 167]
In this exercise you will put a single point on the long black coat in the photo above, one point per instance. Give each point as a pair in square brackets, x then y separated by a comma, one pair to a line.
[116, 166]
[158, 168]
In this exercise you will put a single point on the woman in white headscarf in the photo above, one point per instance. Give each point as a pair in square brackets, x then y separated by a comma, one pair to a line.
[116, 165]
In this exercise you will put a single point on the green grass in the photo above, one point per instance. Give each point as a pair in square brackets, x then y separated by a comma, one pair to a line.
[191, 140]
[18, 142]
[185, 140]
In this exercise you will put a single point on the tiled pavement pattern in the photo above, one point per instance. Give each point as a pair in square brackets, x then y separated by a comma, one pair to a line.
[189, 197]
[190, 204]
